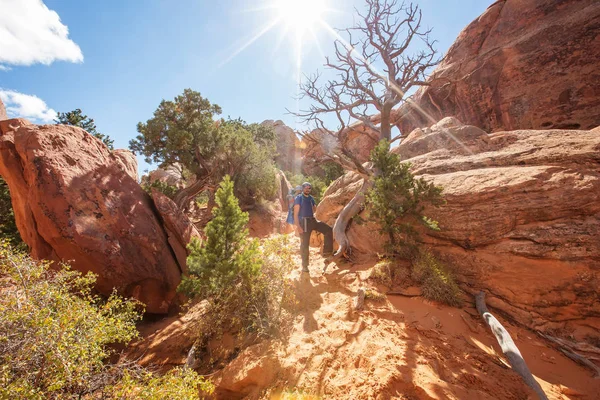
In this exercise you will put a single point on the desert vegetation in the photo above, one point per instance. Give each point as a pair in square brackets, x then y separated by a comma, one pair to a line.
[57, 338]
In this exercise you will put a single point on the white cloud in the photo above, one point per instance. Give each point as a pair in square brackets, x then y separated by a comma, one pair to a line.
[19, 105]
[31, 33]
[4, 68]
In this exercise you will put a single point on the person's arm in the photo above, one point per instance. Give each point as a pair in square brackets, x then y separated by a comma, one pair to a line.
[314, 204]
[296, 218]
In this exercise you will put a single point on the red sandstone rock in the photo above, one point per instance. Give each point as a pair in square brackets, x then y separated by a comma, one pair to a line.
[127, 160]
[288, 146]
[171, 175]
[522, 218]
[531, 64]
[75, 201]
[180, 229]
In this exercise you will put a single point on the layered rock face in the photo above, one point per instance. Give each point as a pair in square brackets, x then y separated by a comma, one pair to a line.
[76, 201]
[523, 64]
[288, 146]
[522, 218]
[318, 143]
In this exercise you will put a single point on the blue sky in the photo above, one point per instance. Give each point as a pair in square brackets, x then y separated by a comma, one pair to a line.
[135, 53]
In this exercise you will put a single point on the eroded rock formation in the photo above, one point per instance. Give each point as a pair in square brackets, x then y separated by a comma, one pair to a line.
[74, 200]
[288, 146]
[522, 218]
[521, 65]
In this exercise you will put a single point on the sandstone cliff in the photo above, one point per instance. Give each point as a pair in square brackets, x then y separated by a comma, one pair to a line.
[522, 218]
[531, 64]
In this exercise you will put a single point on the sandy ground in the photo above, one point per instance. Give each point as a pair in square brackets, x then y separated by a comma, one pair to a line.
[398, 348]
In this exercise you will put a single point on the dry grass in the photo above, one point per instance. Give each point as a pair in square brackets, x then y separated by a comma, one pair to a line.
[437, 282]
[389, 272]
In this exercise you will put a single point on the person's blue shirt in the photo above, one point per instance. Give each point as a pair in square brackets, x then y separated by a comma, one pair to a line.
[306, 204]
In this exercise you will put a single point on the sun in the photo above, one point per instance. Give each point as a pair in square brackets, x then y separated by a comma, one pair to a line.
[300, 15]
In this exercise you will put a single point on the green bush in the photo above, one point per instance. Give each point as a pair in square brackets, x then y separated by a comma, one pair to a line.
[332, 172]
[163, 187]
[8, 226]
[397, 200]
[437, 282]
[246, 285]
[178, 383]
[55, 335]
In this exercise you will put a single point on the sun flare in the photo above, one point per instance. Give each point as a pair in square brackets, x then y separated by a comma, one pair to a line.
[300, 15]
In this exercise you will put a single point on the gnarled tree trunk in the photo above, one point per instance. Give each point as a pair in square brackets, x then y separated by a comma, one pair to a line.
[347, 213]
[185, 195]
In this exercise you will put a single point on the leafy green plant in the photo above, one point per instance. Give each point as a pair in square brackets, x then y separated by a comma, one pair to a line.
[397, 199]
[8, 226]
[178, 383]
[56, 336]
[437, 282]
[163, 187]
[332, 172]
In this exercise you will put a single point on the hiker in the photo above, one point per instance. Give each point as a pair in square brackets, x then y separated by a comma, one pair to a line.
[290, 199]
[304, 218]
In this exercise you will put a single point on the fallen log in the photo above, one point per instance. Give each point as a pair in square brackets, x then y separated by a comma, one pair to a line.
[509, 348]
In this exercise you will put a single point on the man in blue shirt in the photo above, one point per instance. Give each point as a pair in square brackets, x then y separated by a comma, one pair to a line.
[305, 221]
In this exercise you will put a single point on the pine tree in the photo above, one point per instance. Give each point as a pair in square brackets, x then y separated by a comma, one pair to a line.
[76, 118]
[228, 256]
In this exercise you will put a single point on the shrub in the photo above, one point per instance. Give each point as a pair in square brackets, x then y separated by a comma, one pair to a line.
[247, 286]
[437, 281]
[397, 200]
[163, 187]
[178, 383]
[8, 226]
[55, 335]
[389, 272]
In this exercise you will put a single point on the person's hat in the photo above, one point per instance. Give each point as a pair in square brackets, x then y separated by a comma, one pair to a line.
[305, 184]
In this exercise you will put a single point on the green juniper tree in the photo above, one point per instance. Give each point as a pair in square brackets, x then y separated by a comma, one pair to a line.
[76, 118]
[228, 257]
[186, 131]
[397, 199]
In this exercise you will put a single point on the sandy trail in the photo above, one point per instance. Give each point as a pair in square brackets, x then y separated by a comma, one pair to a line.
[398, 348]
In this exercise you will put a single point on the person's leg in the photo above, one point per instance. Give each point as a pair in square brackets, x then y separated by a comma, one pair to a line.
[328, 234]
[307, 226]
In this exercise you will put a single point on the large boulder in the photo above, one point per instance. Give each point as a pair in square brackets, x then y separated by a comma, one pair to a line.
[76, 201]
[521, 219]
[179, 228]
[531, 64]
[288, 146]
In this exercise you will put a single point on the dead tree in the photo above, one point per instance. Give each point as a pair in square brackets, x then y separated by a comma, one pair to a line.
[386, 54]
[509, 348]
